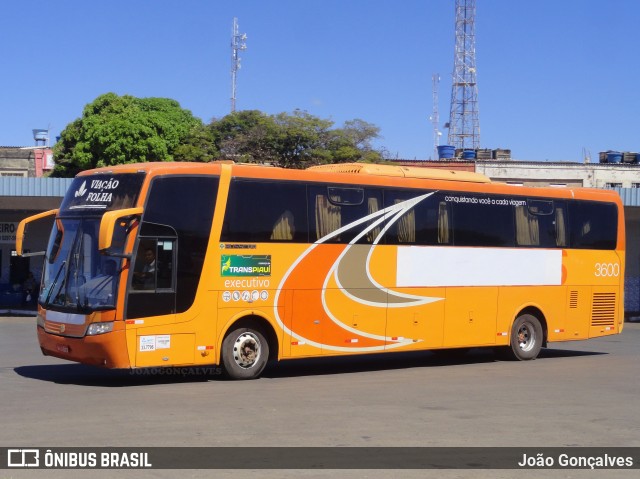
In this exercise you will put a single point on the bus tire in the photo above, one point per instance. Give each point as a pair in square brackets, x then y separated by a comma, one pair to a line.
[526, 338]
[245, 353]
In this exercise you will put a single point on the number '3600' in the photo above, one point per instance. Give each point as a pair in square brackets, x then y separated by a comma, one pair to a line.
[607, 269]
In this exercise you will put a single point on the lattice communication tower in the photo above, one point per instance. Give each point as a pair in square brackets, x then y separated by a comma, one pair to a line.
[464, 124]
[238, 43]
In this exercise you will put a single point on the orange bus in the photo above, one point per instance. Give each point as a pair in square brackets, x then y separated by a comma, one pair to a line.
[178, 264]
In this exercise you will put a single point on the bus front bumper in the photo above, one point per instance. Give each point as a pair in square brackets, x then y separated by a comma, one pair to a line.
[105, 350]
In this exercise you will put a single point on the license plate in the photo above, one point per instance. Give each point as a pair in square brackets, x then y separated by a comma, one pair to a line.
[63, 348]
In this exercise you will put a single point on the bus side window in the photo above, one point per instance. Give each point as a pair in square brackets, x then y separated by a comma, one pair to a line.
[154, 265]
[263, 211]
[427, 223]
[483, 221]
[144, 273]
[165, 259]
[334, 207]
[593, 225]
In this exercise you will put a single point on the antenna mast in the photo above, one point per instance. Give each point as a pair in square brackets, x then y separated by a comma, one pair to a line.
[464, 125]
[238, 43]
[435, 116]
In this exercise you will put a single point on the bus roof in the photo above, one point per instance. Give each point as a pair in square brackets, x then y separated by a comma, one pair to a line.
[372, 171]
[402, 172]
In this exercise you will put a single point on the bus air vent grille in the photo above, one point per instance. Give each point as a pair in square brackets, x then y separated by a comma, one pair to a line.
[573, 299]
[603, 309]
[61, 329]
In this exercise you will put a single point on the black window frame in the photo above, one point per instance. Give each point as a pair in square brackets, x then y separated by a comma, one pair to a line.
[253, 219]
[187, 209]
[481, 221]
[602, 234]
[494, 221]
[349, 212]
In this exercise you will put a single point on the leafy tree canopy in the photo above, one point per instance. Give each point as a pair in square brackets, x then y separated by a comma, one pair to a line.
[124, 129]
[295, 140]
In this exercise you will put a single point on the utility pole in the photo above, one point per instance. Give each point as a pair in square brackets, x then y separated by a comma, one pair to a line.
[464, 124]
[238, 43]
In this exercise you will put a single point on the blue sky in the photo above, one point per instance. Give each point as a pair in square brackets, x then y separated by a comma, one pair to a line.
[555, 76]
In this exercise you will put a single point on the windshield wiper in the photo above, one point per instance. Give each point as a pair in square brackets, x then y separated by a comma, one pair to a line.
[53, 285]
[83, 308]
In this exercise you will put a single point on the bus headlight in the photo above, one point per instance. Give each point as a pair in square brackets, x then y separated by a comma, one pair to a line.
[99, 328]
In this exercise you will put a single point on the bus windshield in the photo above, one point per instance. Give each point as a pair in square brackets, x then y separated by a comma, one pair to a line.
[76, 276]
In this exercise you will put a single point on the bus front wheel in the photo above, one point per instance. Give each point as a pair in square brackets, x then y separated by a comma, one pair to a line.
[526, 338]
[245, 352]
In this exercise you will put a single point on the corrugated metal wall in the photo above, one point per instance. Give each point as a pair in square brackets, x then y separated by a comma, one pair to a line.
[16, 186]
[630, 196]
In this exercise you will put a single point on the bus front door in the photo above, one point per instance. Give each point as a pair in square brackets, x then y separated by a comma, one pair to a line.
[153, 282]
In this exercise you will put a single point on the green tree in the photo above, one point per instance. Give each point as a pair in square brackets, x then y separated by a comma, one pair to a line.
[246, 136]
[124, 129]
[302, 139]
[199, 145]
[293, 140]
[352, 143]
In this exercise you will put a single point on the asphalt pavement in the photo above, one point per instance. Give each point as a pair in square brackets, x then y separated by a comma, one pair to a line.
[575, 394]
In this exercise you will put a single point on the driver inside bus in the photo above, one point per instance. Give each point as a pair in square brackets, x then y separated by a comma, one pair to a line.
[145, 279]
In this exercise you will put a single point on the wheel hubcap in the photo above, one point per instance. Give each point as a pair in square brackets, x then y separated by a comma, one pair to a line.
[526, 337]
[246, 350]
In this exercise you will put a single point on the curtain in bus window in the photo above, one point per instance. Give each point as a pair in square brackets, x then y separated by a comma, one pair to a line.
[373, 205]
[407, 226]
[328, 217]
[561, 228]
[527, 227]
[443, 223]
[284, 228]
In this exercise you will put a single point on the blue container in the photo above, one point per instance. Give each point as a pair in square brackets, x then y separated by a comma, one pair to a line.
[469, 154]
[614, 157]
[446, 151]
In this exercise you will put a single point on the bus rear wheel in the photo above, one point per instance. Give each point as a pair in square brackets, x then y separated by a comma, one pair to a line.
[526, 338]
[245, 353]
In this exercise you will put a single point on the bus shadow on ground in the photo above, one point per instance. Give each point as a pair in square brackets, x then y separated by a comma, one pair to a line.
[384, 362]
[82, 375]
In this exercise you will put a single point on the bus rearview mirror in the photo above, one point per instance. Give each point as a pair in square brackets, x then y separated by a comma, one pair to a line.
[41, 221]
[108, 225]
